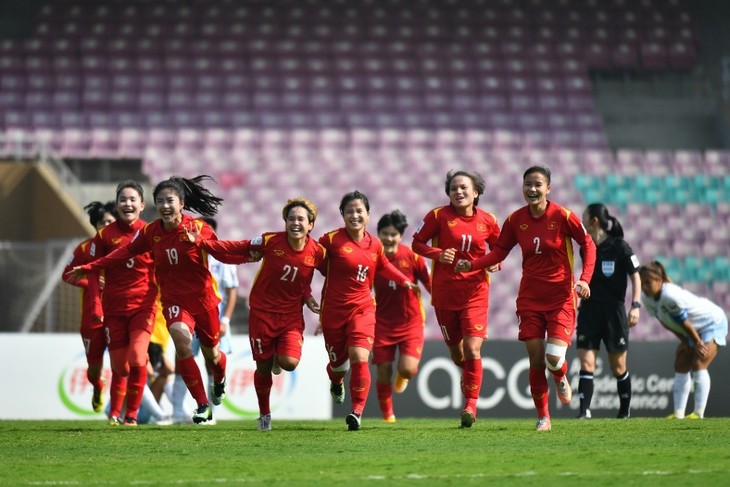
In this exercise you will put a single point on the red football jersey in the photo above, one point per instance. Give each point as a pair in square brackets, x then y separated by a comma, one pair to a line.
[91, 311]
[397, 305]
[349, 271]
[547, 255]
[470, 236]
[283, 281]
[181, 267]
[130, 286]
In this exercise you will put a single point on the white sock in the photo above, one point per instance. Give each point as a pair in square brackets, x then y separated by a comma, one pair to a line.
[167, 391]
[149, 402]
[179, 391]
[702, 391]
[682, 388]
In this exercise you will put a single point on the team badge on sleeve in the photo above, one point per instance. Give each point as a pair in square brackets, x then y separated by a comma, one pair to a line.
[258, 240]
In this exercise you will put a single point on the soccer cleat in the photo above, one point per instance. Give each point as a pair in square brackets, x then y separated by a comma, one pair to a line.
[353, 421]
[264, 422]
[202, 414]
[543, 424]
[129, 421]
[219, 392]
[389, 419]
[97, 400]
[673, 416]
[623, 415]
[114, 421]
[565, 393]
[586, 415]
[276, 368]
[400, 383]
[337, 390]
[693, 416]
[468, 418]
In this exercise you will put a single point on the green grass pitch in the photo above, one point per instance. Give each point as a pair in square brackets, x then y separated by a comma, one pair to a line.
[413, 451]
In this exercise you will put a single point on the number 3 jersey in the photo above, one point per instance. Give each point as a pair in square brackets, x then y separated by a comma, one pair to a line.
[470, 236]
[283, 281]
[129, 286]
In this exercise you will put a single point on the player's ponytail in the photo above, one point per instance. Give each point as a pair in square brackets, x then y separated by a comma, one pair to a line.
[608, 223]
[192, 193]
[655, 268]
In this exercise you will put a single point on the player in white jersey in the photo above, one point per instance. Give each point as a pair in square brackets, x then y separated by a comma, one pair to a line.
[701, 327]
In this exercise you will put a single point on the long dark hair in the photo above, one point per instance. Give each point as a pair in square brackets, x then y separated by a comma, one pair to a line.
[96, 211]
[608, 223]
[192, 193]
[476, 179]
[396, 219]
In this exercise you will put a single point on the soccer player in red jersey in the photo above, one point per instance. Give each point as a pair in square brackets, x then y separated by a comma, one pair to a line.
[546, 300]
[460, 230]
[129, 302]
[92, 315]
[399, 314]
[347, 317]
[281, 287]
[188, 292]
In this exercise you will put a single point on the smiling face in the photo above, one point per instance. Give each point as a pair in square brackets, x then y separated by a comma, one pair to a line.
[356, 216]
[535, 188]
[390, 237]
[169, 206]
[462, 193]
[298, 225]
[129, 205]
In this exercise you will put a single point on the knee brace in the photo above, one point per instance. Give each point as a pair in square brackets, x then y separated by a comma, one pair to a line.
[556, 351]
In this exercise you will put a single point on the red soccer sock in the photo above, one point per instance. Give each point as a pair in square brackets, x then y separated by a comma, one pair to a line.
[539, 390]
[135, 388]
[359, 385]
[385, 399]
[262, 383]
[471, 382]
[219, 370]
[559, 374]
[332, 376]
[117, 392]
[189, 371]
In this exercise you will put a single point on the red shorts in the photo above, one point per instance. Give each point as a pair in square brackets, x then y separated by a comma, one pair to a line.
[408, 339]
[559, 323]
[118, 328]
[205, 325]
[358, 331]
[94, 338]
[275, 333]
[455, 325]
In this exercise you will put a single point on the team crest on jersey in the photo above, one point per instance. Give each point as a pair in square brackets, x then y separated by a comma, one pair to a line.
[309, 260]
[481, 227]
[279, 252]
[347, 250]
[404, 264]
[553, 226]
[451, 223]
[183, 237]
[608, 267]
[524, 226]
[156, 239]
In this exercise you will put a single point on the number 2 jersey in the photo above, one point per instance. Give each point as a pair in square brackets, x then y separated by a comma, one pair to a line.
[470, 236]
[547, 255]
[283, 281]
